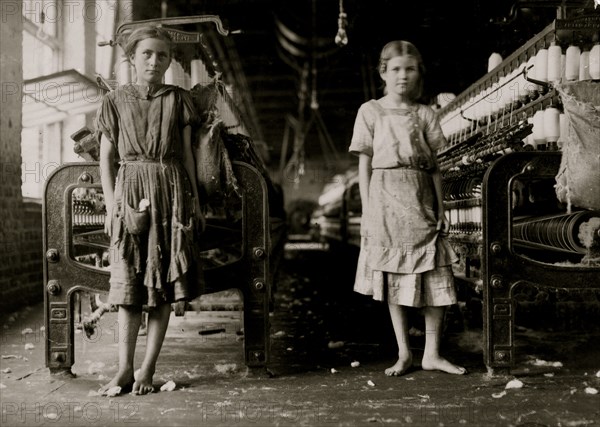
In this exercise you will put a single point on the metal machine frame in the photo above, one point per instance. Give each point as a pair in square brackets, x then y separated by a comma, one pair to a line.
[504, 269]
[64, 277]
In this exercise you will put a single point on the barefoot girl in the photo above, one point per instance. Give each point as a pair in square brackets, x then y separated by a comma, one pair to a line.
[152, 202]
[405, 259]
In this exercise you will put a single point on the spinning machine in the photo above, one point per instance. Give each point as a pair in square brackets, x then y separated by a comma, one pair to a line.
[507, 134]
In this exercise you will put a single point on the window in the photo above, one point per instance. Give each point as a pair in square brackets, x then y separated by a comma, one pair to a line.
[53, 108]
[41, 56]
[41, 47]
[105, 29]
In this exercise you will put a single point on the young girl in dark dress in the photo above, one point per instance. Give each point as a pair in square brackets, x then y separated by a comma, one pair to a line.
[152, 202]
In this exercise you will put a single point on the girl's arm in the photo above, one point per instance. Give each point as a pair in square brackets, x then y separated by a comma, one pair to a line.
[442, 223]
[435, 139]
[107, 178]
[189, 163]
[364, 179]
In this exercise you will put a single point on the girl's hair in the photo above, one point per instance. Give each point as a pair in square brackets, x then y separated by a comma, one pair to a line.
[402, 48]
[148, 32]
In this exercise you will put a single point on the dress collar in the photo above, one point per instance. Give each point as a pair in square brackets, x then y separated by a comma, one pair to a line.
[407, 110]
[143, 92]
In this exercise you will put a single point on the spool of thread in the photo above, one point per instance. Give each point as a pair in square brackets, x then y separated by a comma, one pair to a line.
[594, 62]
[199, 74]
[551, 124]
[521, 84]
[477, 109]
[564, 129]
[170, 74]
[532, 74]
[180, 76]
[541, 65]
[510, 93]
[554, 69]
[486, 106]
[505, 94]
[539, 137]
[176, 75]
[523, 87]
[495, 99]
[572, 63]
[471, 113]
[494, 60]
[584, 65]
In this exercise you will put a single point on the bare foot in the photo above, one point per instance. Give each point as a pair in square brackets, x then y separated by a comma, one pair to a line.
[122, 379]
[143, 381]
[404, 362]
[440, 364]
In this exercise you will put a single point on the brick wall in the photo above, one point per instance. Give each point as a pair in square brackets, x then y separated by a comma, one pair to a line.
[20, 222]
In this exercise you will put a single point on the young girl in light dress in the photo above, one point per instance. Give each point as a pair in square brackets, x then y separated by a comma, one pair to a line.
[152, 202]
[405, 258]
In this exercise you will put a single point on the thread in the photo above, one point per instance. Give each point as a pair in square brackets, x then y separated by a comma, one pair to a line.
[539, 136]
[594, 62]
[551, 124]
[554, 69]
[522, 84]
[559, 232]
[199, 75]
[572, 63]
[563, 126]
[532, 74]
[541, 65]
[494, 60]
[584, 65]
[170, 74]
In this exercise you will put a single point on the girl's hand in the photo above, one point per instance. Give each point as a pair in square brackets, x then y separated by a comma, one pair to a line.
[443, 225]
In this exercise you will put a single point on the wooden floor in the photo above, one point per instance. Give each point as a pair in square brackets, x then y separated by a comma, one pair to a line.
[319, 328]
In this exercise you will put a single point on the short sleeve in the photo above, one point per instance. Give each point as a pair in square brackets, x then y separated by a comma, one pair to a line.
[189, 115]
[362, 135]
[107, 121]
[433, 131]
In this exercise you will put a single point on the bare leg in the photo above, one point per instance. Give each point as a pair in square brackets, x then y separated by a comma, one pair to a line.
[434, 318]
[158, 321]
[128, 322]
[400, 323]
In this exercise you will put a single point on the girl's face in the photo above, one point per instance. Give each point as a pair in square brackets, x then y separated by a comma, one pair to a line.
[401, 75]
[151, 59]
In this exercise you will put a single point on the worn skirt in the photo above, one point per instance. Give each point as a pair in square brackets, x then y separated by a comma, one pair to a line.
[154, 257]
[403, 259]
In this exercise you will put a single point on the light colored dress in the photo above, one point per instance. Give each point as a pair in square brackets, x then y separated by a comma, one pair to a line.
[403, 258]
[153, 256]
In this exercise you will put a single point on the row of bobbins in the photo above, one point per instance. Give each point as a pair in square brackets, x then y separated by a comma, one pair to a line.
[550, 129]
[553, 65]
[515, 88]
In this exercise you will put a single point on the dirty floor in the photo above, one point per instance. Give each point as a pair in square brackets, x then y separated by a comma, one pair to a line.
[319, 328]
